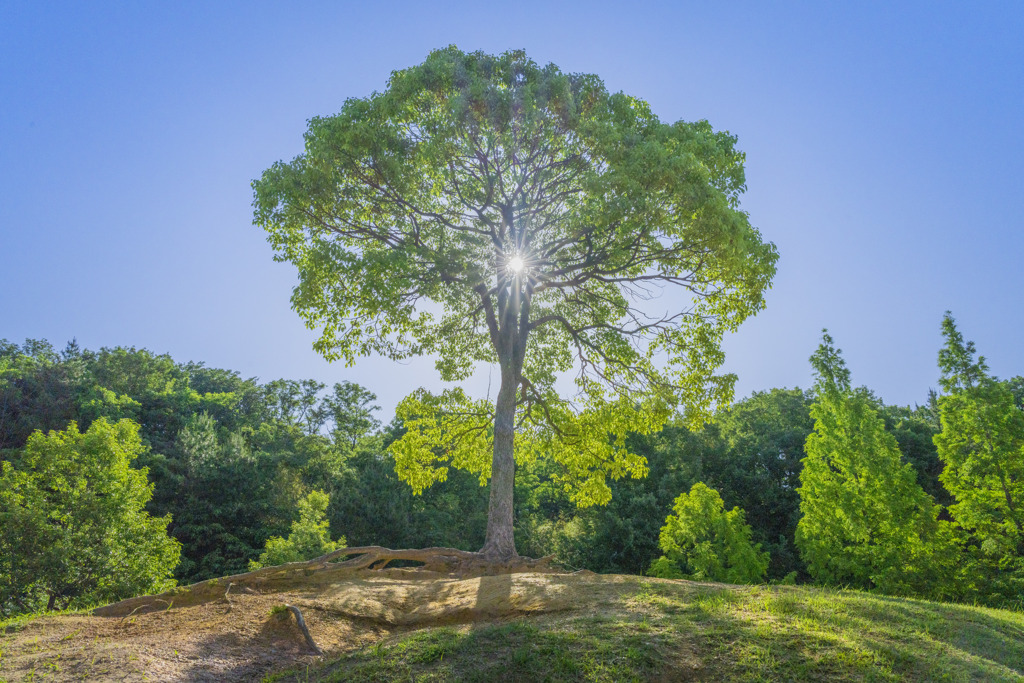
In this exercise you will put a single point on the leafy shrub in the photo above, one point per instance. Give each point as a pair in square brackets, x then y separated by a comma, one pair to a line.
[309, 535]
[703, 541]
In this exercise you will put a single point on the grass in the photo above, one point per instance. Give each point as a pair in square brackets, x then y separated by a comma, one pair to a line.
[679, 630]
[47, 666]
[511, 651]
[19, 622]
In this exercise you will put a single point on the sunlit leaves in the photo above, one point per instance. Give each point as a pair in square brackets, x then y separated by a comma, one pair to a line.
[865, 522]
[73, 523]
[703, 541]
[982, 447]
[402, 214]
[309, 537]
[447, 429]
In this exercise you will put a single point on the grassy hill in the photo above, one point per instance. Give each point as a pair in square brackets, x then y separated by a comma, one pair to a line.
[406, 625]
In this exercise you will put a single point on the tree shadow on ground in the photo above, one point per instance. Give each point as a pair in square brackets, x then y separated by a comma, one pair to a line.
[278, 643]
[790, 633]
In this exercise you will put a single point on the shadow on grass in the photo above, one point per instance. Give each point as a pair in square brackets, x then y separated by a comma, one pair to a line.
[665, 630]
[501, 628]
[795, 633]
[518, 650]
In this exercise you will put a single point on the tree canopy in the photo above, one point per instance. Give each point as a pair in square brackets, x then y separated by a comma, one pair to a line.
[485, 209]
[233, 460]
[73, 527]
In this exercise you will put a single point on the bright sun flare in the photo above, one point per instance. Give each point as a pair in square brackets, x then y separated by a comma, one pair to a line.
[515, 264]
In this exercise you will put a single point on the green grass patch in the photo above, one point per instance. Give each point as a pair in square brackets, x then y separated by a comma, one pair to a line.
[17, 623]
[519, 650]
[684, 631]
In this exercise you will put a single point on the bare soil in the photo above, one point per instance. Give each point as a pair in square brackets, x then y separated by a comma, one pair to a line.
[240, 636]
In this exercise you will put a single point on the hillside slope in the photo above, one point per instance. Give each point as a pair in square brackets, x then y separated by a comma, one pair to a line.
[403, 624]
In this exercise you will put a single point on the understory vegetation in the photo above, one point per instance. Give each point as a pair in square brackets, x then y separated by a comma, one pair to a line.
[829, 486]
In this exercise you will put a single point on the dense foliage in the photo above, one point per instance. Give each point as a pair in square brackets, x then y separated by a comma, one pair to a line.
[486, 209]
[865, 521]
[73, 528]
[234, 462]
[704, 542]
[982, 447]
[309, 537]
[230, 459]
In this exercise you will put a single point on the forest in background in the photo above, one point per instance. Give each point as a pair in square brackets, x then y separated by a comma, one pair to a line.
[231, 460]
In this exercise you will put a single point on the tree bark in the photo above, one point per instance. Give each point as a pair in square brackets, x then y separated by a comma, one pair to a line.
[500, 543]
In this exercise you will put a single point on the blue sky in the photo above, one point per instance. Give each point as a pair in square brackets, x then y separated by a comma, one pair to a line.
[884, 142]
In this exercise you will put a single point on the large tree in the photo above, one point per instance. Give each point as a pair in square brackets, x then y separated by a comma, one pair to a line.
[486, 209]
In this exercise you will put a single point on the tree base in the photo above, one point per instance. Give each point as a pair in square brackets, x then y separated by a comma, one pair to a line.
[327, 569]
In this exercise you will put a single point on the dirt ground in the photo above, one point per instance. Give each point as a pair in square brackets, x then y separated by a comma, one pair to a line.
[241, 637]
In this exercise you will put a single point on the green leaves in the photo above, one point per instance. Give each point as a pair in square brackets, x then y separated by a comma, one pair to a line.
[405, 208]
[73, 523]
[982, 447]
[960, 370]
[866, 522]
[704, 542]
[401, 202]
[441, 430]
[309, 537]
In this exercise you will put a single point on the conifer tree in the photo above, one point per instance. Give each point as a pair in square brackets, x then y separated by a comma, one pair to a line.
[703, 541]
[982, 447]
[866, 522]
[309, 537]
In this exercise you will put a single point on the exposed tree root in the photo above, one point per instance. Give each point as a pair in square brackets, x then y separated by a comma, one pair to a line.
[305, 631]
[331, 567]
[442, 560]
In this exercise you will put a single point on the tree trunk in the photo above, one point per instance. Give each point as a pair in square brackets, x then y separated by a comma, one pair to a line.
[500, 543]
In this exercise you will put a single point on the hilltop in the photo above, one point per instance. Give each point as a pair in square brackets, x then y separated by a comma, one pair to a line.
[412, 624]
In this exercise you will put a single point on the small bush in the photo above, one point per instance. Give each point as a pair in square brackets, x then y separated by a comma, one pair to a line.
[702, 541]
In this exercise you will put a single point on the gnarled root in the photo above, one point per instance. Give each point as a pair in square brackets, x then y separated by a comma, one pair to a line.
[327, 568]
[441, 560]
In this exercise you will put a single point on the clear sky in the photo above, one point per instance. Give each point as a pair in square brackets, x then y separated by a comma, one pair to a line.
[885, 149]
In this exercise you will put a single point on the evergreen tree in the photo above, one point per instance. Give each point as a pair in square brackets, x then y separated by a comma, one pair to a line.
[866, 522]
[704, 542]
[982, 447]
[758, 467]
[198, 443]
[309, 537]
